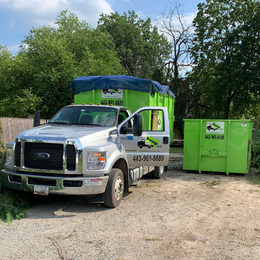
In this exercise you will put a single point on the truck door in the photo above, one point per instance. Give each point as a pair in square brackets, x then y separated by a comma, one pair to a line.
[148, 145]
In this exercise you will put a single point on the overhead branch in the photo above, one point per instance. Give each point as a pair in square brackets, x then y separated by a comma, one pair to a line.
[178, 32]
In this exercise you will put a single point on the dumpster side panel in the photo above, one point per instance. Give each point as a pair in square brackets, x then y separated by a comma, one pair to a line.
[213, 146]
[191, 145]
[239, 146]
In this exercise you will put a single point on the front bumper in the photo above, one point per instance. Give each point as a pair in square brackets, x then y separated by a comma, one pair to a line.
[57, 185]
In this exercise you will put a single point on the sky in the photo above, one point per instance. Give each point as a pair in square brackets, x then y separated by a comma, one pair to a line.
[17, 17]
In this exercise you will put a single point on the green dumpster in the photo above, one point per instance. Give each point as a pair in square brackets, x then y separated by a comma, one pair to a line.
[126, 91]
[217, 145]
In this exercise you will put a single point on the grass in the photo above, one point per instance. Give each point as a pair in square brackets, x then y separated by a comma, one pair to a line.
[253, 176]
[255, 179]
[176, 150]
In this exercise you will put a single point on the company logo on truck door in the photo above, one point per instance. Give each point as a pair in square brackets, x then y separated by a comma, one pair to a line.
[215, 127]
[152, 141]
[149, 142]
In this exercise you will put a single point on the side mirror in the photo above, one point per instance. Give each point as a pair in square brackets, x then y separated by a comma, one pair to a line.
[137, 125]
[37, 118]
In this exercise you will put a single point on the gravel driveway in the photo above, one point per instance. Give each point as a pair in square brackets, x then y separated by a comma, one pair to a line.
[185, 215]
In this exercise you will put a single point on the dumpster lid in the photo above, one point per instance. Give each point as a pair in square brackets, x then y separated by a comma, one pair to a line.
[86, 83]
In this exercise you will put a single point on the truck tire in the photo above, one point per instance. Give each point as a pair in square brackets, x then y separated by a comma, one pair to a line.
[115, 189]
[158, 171]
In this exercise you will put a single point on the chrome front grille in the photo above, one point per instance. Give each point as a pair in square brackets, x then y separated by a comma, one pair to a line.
[55, 152]
[57, 158]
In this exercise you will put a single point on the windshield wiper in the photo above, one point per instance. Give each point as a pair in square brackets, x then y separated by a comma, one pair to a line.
[85, 124]
[60, 123]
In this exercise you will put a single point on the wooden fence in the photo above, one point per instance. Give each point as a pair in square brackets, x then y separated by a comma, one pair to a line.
[13, 126]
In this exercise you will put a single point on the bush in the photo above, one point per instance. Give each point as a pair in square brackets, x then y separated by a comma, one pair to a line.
[12, 203]
[255, 149]
[2, 150]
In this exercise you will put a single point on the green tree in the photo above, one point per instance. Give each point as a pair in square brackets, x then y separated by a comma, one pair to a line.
[142, 50]
[6, 65]
[226, 49]
[14, 101]
[20, 104]
[49, 59]
[58, 54]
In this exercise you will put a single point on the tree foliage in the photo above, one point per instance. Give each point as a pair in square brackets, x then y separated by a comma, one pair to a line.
[226, 49]
[20, 104]
[143, 52]
[14, 101]
[6, 64]
[49, 59]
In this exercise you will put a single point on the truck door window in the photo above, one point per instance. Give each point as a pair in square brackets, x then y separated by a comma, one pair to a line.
[128, 126]
[152, 120]
[122, 116]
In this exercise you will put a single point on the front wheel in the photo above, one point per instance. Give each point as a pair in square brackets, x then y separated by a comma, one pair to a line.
[115, 189]
[158, 171]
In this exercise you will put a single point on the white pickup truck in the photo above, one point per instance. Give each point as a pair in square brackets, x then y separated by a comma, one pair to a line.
[87, 150]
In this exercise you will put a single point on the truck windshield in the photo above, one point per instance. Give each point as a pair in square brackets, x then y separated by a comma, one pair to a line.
[86, 115]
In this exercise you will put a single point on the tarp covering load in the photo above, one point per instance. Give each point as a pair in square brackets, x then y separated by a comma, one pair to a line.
[83, 84]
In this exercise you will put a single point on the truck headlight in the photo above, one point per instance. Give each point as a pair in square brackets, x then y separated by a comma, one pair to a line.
[96, 160]
[9, 156]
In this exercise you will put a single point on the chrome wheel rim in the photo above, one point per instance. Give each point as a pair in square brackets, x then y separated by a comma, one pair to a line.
[119, 188]
[161, 170]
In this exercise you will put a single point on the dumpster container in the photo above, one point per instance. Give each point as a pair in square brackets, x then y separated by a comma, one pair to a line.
[126, 91]
[217, 145]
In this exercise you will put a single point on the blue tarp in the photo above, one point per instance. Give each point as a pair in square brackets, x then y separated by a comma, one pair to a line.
[83, 84]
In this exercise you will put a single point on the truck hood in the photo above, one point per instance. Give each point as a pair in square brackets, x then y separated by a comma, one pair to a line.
[64, 132]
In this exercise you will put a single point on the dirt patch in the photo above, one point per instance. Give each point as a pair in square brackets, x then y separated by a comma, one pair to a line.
[185, 215]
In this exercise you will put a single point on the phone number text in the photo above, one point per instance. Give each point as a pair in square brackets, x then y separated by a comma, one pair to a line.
[148, 158]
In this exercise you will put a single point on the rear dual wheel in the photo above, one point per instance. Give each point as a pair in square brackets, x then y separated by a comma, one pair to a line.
[158, 172]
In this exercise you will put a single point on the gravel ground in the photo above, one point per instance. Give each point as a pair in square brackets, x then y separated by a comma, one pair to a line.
[185, 215]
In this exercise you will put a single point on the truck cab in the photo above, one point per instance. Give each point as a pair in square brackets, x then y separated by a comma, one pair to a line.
[89, 150]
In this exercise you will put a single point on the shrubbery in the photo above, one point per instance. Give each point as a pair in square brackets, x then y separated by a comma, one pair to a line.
[2, 150]
[255, 149]
[12, 203]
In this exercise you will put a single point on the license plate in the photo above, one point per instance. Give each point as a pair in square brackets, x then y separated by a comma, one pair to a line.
[40, 190]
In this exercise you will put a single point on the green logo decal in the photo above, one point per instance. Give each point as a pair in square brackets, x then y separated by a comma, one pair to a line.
[217, 126]
[152, 141]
